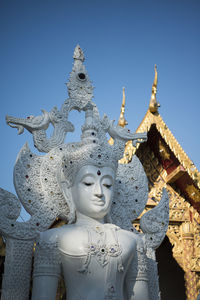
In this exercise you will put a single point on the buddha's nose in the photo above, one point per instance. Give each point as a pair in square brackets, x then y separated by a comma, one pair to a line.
[98, 191]
[99, 195]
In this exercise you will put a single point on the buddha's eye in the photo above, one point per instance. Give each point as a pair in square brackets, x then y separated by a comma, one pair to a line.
[108, 186]
[88, 183]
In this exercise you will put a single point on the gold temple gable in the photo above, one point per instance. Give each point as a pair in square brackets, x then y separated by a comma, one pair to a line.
[167, 165]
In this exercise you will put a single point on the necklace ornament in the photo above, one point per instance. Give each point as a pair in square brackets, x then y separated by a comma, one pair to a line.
[101, 250]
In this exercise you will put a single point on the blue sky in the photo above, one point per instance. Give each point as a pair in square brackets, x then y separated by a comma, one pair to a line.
[122, 40]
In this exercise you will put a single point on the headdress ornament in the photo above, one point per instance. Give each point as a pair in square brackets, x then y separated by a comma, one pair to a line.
[38, 179]
[94, 148]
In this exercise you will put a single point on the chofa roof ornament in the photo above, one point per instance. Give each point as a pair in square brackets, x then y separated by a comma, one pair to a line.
[153, 105]
[122, 121]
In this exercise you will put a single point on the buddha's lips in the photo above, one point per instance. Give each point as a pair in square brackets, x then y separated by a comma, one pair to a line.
[99, 202]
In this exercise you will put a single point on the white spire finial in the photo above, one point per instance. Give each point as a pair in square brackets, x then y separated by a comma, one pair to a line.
[78, 53]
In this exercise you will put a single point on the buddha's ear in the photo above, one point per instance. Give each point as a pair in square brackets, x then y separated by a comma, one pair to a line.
[66, 191]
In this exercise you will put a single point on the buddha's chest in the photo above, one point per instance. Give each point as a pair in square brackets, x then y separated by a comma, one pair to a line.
[107, 245]
[96, 258]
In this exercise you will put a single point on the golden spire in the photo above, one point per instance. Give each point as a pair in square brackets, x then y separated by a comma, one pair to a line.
[153, 105]
[129, 149]
[122, 121]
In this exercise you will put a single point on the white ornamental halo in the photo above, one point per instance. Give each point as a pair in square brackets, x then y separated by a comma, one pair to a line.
[39, 191]
[37, 187]
[130, 194]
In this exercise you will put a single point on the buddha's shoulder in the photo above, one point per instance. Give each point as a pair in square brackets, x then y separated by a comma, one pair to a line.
[65, 229]
[49, 236]
[128, 238]
[128, 234]
[72, 239]
[67, 238]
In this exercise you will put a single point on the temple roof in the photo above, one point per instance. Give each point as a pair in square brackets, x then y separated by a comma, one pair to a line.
[150, 119]
[177, 166]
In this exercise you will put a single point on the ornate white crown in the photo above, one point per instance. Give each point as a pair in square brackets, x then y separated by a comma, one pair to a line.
[93, 149]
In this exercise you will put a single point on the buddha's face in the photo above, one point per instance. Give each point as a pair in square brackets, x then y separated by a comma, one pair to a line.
[92, 191]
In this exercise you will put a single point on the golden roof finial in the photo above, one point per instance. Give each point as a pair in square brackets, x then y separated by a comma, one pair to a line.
[156, 77]
[153, 105]
[122, 121]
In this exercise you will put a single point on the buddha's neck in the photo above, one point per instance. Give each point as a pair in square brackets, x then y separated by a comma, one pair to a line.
[85, 220]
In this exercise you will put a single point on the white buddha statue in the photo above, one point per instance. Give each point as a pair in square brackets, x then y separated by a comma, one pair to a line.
[98, 252]
[99, 260]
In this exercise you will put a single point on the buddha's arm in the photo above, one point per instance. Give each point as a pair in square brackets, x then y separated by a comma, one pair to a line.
[140, 291]
[44, 287]
[136, 283]
[46, 271]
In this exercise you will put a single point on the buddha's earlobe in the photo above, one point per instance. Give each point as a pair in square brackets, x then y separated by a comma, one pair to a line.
[68, 197]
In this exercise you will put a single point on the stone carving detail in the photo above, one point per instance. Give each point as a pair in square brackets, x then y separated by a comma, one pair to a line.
[8, 224]
[10, 206]
[153, 274]
[131, 193]
[17, 266]
[40, 181]
[80, 89]
[47, 259]
[37, 187]
[154, 223]
[38, 126]
[80, 93]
